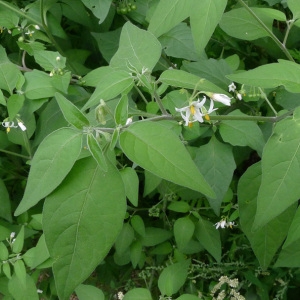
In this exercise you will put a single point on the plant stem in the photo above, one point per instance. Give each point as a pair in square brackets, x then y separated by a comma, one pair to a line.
[15, 154]
[267, 100]
[270, 33]
[161, 107]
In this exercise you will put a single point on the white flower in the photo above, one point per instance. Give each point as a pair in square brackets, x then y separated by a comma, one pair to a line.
[220, 98]
[120, 295]
[29, 32]
[128, 121]
[58, 58]
[239, 96]
[39, 291]
[192, 113]
[22, 126]
[231, 87]
[206, 112]
[12, 235]
[37, 27]
[221, 224]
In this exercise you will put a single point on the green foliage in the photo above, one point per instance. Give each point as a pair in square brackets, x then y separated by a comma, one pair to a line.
[149, 149]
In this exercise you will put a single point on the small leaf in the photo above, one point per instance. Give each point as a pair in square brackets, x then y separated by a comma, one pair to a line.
[131, 183]
[173, 278]
[89, 292]
[121, 111]
[183, 231]
[138, 294]
[138, 225]
[294, 6]
[99, 8]
[124, 239]
[96, 152]
[5, 211]
[49, 60]
[3, 252]
[19, 241]
[20, 271]
[14, 104]
[71, 113]
[151, 146]
[51, 163]
[154, 236]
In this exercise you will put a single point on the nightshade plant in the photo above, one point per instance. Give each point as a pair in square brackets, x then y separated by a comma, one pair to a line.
[149, 149]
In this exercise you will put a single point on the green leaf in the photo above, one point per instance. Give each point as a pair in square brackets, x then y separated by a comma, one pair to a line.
[121, 111]
[173, 277]
[187, 297]
[138, 225]
[99, 8]
[14, 104]
[5, 211]
[97, 75]
[135, 46]
[96, 151]
[215, 160]
[168, 14]
[136, 250]
[242, 133]
[71, 113]
[124, 239]
[183, 231]
[82, 219]
[131, 183]
[20, 292]
[280, 171]
[286, 73]
[240, 24]
[151, 146]
[204, 18]
[9, 73]
[187, 80]
[179, 206]
[294, 6]
[209, 237]
[19, 241]
[178, 42]
[266, 240]
[110, 87]
[138, 294]
[154, 236]
[51, 163]
[20, 271]
[50, 60]
[89, 292]
[3, 252]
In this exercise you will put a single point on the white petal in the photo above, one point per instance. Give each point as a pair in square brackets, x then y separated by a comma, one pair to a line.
[231, 87]
[221, 98]
[22, 126]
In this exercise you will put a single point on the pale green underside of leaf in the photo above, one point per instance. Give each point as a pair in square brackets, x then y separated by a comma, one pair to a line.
[135, 46]
[157, 149]
[81, 221]
[284, 73]
[266, 240]
[51, 163]
[240, 24]
[187, 80]
[280, 171]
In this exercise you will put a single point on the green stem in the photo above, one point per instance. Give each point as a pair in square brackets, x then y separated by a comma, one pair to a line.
[141, 94]
[267, 100]
[270, 33]
[289, 24]
[15, 154]
[160, 105]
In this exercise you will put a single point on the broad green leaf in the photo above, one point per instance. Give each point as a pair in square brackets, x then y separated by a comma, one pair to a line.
[110, 87]
[9, 73]
[272, 75]
[151, 182]
[154, 236]
[173, 277]
[138, 225]
[136, 251]
[20, 272]
[138, 294]
[8, 18]
[280, 171]
[89, 292]
[124, 239]
[183, 231]
[242, 133]
[121, 111]
[50, 60]
[187, 80]
[135, 46]
[131, 183]
[21, 292]
[96, 151]
[178, 42]
[294, 6]
[179, 206]
[97, 75]
[215, 160]
[241, 24]
[151, 146]
[187, 297]
[52, 161]
[14, 104]
[5, 211]
[266, 240]
[81, 220]
[3, 252]
[205, 16]
[209, 237]
[168, 14]
[71, 113]
[99, 8]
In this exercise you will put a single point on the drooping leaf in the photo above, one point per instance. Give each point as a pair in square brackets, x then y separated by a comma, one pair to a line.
[209, 237]
[266, 240]
[81, 221]
[205, 16]
[135, 46]
[51, 163]
[173, 277]
[272, 75]
[151, 146]
[280, 171]
[71, 113]
[215, 160]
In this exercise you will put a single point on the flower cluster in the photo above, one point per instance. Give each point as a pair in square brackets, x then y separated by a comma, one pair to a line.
[223, 293]
[8, 125]
[196, 110]
[224, 224]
